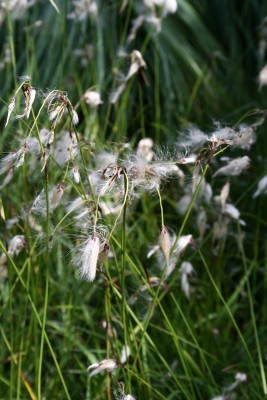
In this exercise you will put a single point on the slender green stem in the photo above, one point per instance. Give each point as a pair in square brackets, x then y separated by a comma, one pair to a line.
[157, 91]
[227, 308]
[38, 319]
[123, 268]
[161, 208]
[253, 317]
[46, 287]
[11, 41]
[123, 204]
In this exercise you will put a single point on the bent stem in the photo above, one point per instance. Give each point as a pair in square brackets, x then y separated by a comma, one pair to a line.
[161, 208]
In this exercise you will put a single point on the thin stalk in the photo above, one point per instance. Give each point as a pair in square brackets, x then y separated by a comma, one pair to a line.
[108, 347]
[46, 287]
[227, 308]
[141, 110]
[253, 317]
[157, 91]
[11, 395]
[38, 319]
[143, 328]
[179, 349]
[20, 374]
[201, 353]
[11, 42]
[126, 191]
[123, 267]
[161, 208]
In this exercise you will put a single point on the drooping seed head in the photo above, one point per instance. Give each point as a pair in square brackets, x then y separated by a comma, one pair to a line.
[57, 195]
[165, 243]
[104, 365]
[88, 259]
[11, 107]
[76, 175]
[224, 194]
[103, 253]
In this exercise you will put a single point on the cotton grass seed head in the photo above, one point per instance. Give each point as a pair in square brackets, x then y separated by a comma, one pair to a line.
[182, 244]
[29, 93]
[165, 243]
[232, 212]
[66, 147]
[224, 194]
[56, 195]
[16, 244]
[107, 365]
[103, 253]
[144, 149]
[167, 6]
[13, 160]
[30, 97]
[74, 117]
[76, 175]
[186, 270]
[234, 167]
[263, 77]
[240, 377]
[58, 104]
[92, 98]
[87, 257]
[262, 187]
[125, 354]
[11, 107]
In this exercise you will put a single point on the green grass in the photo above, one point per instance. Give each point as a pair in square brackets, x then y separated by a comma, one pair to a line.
[53, 324]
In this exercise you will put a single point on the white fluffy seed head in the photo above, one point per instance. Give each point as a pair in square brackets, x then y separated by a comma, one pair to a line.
[92, 98]
[103, 253]
[11, 107]
[263, 77]
[240, 377]
[182, 243]
[262, 187]
[125, 354]
[104, 365]
[74, 117]
[165, 243]
[234, 167]
[88, 260]
[186, 270]
[57, 195]
[21, 157]
[144, 149]
[16, 244]
[76, 175]
[32, 94]
[224, 194]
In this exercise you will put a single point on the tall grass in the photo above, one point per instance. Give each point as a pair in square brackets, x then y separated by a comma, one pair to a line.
[132, 242]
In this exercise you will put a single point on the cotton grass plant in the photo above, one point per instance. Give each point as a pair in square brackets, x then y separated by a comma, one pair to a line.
[132, 257]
